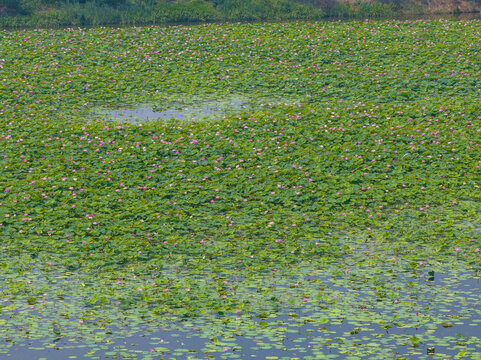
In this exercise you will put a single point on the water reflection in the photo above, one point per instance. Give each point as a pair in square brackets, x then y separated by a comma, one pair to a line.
[294, 330]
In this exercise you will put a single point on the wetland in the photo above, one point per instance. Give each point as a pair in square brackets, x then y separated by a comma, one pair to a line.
[278, 190]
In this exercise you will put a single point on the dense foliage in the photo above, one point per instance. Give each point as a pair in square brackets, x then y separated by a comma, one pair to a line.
[52, 13]
[350, 180]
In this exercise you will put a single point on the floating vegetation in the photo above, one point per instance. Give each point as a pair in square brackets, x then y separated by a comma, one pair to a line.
[288, 190]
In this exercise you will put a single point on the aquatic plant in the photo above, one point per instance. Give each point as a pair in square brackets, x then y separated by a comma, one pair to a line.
[345, 204]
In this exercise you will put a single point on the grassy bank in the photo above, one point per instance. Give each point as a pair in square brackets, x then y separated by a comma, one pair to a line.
[48, 13]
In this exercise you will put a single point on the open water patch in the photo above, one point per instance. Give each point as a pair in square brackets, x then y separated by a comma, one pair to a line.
[190, 110]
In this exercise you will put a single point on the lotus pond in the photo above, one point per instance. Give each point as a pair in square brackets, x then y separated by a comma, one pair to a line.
[279, 191]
